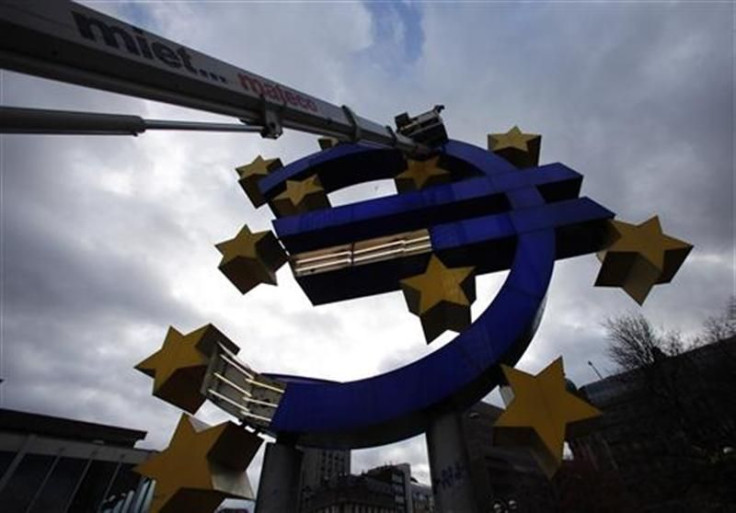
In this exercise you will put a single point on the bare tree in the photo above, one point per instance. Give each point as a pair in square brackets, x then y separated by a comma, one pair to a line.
[635, 343]
[720, 327]
[691, 412]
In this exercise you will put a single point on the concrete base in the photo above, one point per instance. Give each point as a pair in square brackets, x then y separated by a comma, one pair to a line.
[278, 490]
[449, 466]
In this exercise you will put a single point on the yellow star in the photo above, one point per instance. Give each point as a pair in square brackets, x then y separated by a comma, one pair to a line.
[420, 174]
[540, 413]
[178, 368]
[640, 256]
[520, 149]
[201, 466]
[251, 258]
[251, 174]
[441, 297]
[300, 197]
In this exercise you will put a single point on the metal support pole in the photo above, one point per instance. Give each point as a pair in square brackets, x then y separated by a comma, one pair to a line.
[79, 481]
[46, 478]
[278, 490]
[449, 466]
[5, 479]
[110, 482]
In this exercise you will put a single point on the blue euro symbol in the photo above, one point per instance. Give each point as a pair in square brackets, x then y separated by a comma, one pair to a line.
[495, 217]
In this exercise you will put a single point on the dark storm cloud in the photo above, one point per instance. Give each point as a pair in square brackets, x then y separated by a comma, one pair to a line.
[74, 301]
[60, 257]
[659, 95]
[88, 250]
[637, 97]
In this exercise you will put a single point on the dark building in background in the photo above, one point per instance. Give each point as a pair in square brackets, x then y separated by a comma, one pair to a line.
[503, 477]
[352, 494]
[319, 466]
[385, 489]
[422, 499]
[665, 442]
[399, 477]
[55, 465]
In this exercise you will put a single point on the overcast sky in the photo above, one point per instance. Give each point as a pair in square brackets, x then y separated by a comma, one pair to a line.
[106, 241]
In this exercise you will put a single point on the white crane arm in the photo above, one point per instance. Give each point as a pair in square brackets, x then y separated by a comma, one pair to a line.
[66, 41]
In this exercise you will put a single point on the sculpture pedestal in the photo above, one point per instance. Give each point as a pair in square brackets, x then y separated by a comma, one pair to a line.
[278, 490]
[449, 466]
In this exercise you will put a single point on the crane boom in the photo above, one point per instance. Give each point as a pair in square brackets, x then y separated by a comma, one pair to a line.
[66, 41]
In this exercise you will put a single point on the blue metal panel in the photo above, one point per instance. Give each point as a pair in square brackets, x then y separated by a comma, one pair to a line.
[394, 214]
[526, 235]
[472, 241]
[471, 231]
[398, 401]
[396, 404]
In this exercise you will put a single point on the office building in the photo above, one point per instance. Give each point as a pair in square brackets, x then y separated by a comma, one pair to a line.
[319, 466]
[422, 499]
[384, 489]
[56, 465]
[399, 477]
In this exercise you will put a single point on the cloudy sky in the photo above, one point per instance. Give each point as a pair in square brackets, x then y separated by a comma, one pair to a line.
[106, 241]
